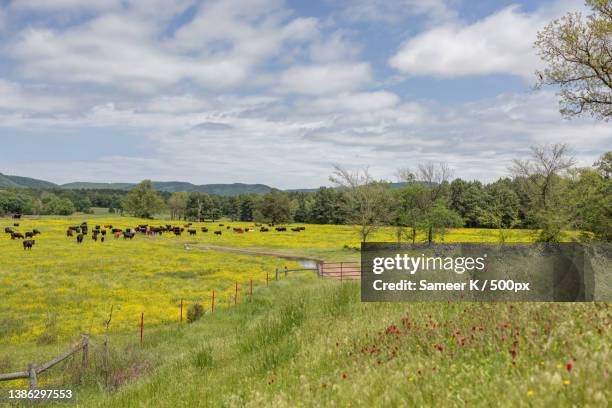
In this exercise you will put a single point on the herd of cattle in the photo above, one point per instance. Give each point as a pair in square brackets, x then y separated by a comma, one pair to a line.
[100, 232]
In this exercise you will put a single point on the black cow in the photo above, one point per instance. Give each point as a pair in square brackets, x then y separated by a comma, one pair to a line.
[218, 232]
[69, 233]
[204, 229]
[16, 224]
[263, 229]
[103, 232]
[80, 239]
[128, 235]
[29, 234]
[16, 235]
[192, 232]
[36, 232]
[279, 229]
[296, 229]
[8, 230]
[94, 237]
[28, 243]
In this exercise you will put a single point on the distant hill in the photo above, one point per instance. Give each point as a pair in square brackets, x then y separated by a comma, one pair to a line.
[233, 189]
[167, 186]
[175, 186]
[26, 182]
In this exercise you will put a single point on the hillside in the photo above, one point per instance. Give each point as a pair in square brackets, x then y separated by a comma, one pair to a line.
[312, 341]
[166, 186]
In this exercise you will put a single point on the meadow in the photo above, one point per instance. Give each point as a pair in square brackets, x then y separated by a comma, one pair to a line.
[302, 341]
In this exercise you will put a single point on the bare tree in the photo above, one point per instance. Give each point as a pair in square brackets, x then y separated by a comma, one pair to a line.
[540, 177]
[367, 199]
[543, 168]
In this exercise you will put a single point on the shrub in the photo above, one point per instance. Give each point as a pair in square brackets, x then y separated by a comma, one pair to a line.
[195, 312]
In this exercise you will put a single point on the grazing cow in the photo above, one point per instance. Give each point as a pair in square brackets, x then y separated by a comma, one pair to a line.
[187, 225]
[97, 227]
[238, 230]
[29, 234]
[263, 229]
[16, 235]
[192, 232]
[221, 225]
[218, 232]
[8, 230]
[94, 237]
[279, 229]
[302, 228]
[80, 238]
[16, 224]
[228, 227]
[118, 234]
[103, 232]
[108, 226]
[128, 235]
[36, 232]
[102, 239]
[28, 243]
[69, 233]
[204, 229]
[116, 230]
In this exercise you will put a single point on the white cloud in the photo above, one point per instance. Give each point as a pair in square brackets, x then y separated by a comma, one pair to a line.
[501, 43]
[394, 11]
[15, 98]
[220, 48]
[63, 5]
[325, 78]
[358, 102]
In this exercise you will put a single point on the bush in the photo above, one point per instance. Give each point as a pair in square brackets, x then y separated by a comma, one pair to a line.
[195, 312]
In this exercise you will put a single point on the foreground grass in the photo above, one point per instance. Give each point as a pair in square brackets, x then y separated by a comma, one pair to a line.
[312, 343]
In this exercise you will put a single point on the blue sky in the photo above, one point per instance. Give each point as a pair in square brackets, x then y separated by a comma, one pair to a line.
[275, 92]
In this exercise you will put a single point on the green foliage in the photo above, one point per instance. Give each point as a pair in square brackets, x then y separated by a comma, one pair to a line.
[577, 54]
[276, 207]
[143, 201]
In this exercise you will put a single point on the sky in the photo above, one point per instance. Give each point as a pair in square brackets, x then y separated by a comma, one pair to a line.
[276, 92]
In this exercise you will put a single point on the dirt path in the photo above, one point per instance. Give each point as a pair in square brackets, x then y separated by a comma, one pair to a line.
[242, 250]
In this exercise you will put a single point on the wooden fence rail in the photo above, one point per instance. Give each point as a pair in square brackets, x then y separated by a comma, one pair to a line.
[33, 369]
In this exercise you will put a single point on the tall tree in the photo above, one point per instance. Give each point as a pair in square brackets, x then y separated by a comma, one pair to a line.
[578, 55]
[143, 201]
[367, 202]
[540, 176]
[177, 204]
[276, 207]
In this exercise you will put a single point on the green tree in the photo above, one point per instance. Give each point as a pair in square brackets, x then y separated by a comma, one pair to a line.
[177, 204]
[276, 207]
[368, 200]
[578, 58]
[143, 201]
[198, 205]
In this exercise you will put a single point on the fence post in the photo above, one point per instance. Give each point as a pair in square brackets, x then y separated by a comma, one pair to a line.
[212, 305]
[32, 375]
[85, 360]
[236, 294]
[181, 311]
[141, 327]
[286, 272]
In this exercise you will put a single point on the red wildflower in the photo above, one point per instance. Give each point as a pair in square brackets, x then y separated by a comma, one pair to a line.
[569, 366]
[513, 352]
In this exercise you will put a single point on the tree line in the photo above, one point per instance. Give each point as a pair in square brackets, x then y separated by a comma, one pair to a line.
[544, 192]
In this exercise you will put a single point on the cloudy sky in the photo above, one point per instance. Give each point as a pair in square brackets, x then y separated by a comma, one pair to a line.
[275, 92]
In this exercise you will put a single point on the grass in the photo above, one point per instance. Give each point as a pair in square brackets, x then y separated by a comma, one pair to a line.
[305, 342]
[301, 342]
